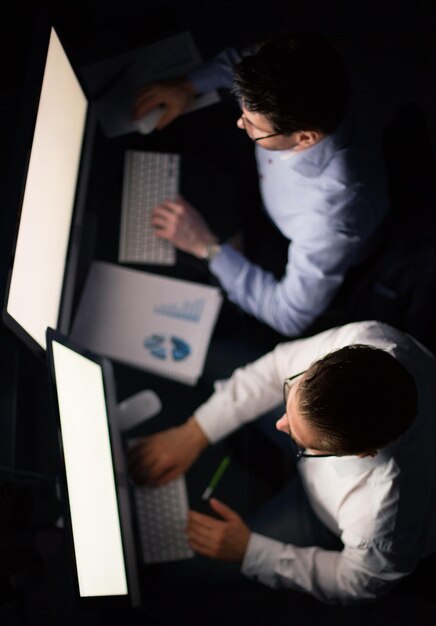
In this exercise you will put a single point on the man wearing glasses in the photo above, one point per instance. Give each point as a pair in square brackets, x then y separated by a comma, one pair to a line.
[359, 419]
[320, 174]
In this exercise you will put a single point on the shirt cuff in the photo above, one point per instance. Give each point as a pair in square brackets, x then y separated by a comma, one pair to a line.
[261, 558]
[227, 264]
[215, 74]
[203, 79]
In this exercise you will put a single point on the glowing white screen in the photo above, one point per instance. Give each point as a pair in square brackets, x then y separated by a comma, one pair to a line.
[43, 235]
[90, 474]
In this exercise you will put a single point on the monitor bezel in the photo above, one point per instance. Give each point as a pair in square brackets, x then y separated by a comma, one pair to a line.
[133, 597]
[25, 133]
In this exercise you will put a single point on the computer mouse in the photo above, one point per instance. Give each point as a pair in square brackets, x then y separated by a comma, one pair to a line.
[138, 408]
[147, 123]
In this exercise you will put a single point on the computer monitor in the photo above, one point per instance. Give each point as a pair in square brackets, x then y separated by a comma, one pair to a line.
[97, 511]
[55, 162]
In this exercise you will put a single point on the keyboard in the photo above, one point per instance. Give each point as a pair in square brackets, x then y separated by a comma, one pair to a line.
[149, 179]
[162, 514]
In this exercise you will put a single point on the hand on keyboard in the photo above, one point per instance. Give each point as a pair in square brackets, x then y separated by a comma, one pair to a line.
[182, 225]
[159, 458]
[175, 95]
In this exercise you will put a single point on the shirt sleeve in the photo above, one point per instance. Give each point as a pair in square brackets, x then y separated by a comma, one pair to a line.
[256, 388]
[358, 572]
[317, 262]
[215, 74]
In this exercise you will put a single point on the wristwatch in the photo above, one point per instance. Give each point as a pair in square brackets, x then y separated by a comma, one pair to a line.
[210, 252]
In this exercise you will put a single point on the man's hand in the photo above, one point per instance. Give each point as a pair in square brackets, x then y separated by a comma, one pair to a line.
[224, 539]
[159, 458]
[178, 222]
[174, 95]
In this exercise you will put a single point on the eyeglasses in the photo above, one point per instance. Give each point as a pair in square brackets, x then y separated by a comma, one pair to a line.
[296, 449]
[264, 137]
[257, 138]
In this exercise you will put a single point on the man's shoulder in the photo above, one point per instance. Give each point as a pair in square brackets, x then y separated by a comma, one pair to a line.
[368, 332]
[331, 158]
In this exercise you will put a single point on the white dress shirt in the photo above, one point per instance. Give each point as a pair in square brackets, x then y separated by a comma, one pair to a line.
[382, 508]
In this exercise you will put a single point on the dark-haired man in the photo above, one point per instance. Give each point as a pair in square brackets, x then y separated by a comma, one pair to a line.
[359, 416]
[320, 174]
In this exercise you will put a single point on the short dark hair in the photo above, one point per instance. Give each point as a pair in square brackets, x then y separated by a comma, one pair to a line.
[358, 399]
[297, 81]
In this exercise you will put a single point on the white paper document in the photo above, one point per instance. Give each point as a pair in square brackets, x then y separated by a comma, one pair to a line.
[152, 322]
[114, 82]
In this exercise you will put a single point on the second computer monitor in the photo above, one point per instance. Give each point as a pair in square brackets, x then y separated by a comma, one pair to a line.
[97, 511]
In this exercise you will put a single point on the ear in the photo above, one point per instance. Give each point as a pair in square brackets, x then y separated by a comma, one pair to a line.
[307, 138]
[282, 424]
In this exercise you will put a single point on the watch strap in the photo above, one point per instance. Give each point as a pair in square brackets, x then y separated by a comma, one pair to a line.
[212, 249]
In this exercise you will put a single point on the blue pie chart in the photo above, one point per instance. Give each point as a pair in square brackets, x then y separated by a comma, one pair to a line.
[163, 347]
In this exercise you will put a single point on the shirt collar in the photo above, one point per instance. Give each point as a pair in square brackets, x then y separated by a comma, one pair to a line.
[353, 465]
[312, 161]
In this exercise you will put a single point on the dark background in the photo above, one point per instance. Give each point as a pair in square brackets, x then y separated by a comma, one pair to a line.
[391, 46]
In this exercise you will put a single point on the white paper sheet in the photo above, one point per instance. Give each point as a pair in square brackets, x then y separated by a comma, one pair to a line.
[152, 322]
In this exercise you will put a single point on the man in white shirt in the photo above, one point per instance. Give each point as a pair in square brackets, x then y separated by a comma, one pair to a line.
[360, 411]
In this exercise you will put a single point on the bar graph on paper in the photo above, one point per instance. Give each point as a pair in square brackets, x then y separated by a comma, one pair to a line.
[188, 310]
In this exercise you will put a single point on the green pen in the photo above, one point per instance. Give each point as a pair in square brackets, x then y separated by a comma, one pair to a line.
[216, 478]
